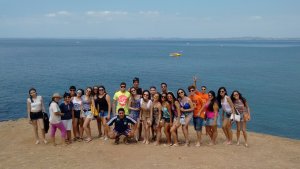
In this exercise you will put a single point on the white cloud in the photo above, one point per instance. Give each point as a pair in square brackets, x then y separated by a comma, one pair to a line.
[59, 13]
[106, 13]
[255, 18]
[149, 13]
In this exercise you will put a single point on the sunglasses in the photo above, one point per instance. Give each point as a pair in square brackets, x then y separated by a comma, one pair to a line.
[123, 86]
[163, 96]
[203, 89]
[101, 89]
[192, 90]
[180, 92]
[132, 91]
[222, 91]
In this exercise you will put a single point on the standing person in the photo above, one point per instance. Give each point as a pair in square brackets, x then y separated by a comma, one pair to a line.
[67, 108]
[186, 107]
[72, 91]
[164, 88]
[240, 103]
[198, 117]
[104, 107]
[201, 93]
[95, 94]
[55, 119]
[157, 116]
[122, 98]
[121, 122]
[211, 109]
[153, 91]
[87, 100]
[35, 109]
[227, 106]
[77, 118]
[146, 115]
[175, 108]
[167, 118]
[134, 109]
[136, 83]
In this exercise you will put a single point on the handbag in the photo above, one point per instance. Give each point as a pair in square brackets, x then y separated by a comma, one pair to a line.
[46, 122]
[247, 116]
[94, 110]
[236, 117]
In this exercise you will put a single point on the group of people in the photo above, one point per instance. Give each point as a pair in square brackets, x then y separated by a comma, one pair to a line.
[140, 115]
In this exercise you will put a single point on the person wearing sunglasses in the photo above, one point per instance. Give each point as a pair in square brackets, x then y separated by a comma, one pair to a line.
[201, 93]
[186, 108]
[95, 93]
[198, 117]
[146, 114]
[241, 105]
[167, 118]
[175, 108]
[77, 117]
[121, 99]
[87, 100]
[227, 106]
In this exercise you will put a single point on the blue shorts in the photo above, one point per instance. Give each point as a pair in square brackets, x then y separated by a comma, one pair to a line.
[210, 121]
[103, 113]
[198, 123]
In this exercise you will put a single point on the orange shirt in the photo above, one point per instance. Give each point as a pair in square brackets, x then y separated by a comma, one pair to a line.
[203, 96]
[198, 103]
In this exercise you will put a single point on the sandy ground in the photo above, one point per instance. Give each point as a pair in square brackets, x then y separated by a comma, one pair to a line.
[19, 151]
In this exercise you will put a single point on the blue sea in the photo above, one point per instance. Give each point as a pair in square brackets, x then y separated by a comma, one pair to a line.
[266, 72]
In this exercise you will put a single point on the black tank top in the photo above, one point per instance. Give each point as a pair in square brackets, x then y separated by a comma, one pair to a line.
[102, 103]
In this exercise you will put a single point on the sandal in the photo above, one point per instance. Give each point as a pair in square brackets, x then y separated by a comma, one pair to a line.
[88, 140]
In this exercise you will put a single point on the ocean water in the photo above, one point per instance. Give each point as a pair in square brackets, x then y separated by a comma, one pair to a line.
[266, 72]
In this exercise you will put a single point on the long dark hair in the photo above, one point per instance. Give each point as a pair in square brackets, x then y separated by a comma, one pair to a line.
[212, 102]
[31, 89]
[240, 95]
[183, 92]
[219, 97]
[149, 97]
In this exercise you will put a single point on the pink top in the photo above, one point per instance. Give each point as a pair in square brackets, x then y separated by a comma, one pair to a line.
[209, 114]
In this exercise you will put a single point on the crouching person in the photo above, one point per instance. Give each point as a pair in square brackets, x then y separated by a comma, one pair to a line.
[121, 127]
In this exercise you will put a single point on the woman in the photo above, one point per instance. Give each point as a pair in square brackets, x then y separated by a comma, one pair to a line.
[167, 119]
[242, 107]
[146, 115]
[175, 108]
[157, 117]
[225, 102]
[77, 119]
[134, 109]
[87, 100]
[211, 109]
[55, 119]
[35, 109]
[103, 105]
[187, 108]
[95, 94]
[67, 108]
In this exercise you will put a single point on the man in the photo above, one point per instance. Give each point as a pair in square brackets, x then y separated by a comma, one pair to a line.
[152, 91]
[72, 90]
[122, 97]
[164, 88]
[121, 122]
[203, 93]
[136, 83]
[198, 117]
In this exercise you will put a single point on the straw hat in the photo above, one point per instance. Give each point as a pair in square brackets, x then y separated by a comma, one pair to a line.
[56, 95]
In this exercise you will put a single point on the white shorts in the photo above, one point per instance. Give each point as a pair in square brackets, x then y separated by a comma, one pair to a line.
[67, 124]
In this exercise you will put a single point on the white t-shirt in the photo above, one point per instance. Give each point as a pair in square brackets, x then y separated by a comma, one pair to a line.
[54, 119]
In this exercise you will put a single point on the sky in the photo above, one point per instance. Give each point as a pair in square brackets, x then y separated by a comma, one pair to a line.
[149, 18]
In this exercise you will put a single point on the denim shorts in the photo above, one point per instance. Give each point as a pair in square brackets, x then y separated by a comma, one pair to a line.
[198, 123]
[210, 121]
[103, 113]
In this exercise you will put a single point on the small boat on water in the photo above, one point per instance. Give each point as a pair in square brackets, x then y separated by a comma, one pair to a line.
[175, 54]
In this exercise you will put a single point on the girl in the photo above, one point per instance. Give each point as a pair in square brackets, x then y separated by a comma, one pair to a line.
[134, 109]
[175, 108]
[146, 115]
[77, 118]
[225, 102]
[157, 117]
[241, 105]
[186, 107]
[35, 109]
[167, 118]
[87, 100]
[95, 94]
[55, 118]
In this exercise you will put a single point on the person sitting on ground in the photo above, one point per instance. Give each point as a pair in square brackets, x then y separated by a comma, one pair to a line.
[121, 122]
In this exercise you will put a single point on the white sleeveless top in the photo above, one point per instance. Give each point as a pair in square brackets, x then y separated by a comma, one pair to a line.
[225, 105]
[76, 103]
[36, 105]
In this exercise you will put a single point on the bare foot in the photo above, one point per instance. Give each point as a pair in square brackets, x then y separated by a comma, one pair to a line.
[246, 145]
[238, 143]
[144, 142]
[198, 144]
[229, 143]
[37, 142]
[45, 141]
[176, 145]
[147, 142]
